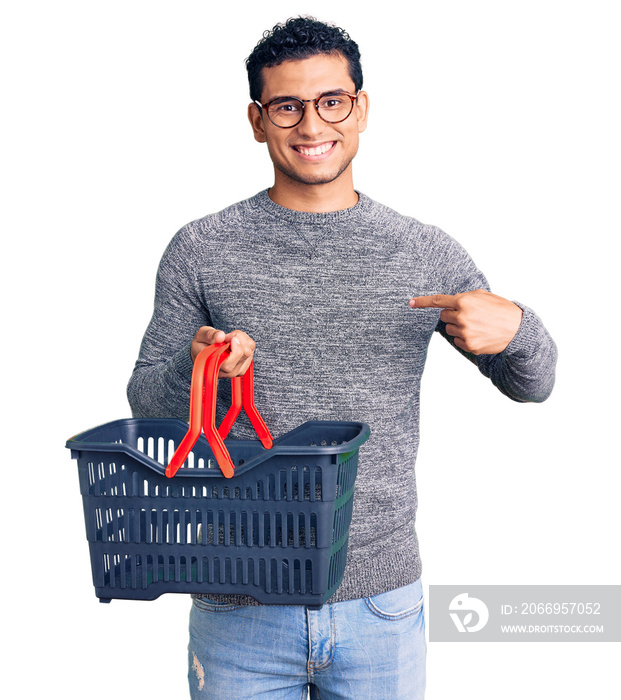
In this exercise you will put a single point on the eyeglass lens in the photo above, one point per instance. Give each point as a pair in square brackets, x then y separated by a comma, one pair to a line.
[288, 111]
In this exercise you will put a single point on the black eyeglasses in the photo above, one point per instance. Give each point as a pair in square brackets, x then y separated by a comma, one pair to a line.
[332, 107]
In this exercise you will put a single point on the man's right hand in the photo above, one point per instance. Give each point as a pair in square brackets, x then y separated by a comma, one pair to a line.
[242, 349]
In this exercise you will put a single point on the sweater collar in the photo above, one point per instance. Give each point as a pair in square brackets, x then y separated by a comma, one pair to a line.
[263, 201]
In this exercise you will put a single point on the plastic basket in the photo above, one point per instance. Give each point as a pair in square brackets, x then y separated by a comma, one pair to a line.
[276, 530]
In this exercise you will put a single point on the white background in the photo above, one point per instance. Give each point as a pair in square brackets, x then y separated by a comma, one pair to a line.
[497, 121]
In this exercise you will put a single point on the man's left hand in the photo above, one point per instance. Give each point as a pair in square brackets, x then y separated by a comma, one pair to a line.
[480, 322]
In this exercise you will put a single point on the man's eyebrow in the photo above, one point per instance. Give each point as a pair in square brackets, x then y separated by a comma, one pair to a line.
[319, 94]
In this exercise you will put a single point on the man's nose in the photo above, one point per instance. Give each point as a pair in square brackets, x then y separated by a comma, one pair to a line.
[311, 122]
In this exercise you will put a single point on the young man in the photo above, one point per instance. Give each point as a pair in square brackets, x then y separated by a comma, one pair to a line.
[340, 295]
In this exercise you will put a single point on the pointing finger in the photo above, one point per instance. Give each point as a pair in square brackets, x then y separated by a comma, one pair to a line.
[435, 301]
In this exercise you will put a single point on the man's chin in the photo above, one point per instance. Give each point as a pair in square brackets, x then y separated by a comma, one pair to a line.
[310, 179]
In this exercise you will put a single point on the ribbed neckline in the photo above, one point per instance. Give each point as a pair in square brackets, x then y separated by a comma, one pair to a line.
[262, 200]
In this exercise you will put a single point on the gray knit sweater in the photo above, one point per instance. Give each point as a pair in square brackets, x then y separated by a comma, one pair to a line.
[325, 297]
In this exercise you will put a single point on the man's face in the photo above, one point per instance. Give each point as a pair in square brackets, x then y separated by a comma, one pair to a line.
[313, 152]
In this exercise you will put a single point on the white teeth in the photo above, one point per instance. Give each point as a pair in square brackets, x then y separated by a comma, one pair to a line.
[314, 151]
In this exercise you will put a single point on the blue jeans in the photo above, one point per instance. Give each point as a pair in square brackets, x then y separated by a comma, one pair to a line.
[370, 648]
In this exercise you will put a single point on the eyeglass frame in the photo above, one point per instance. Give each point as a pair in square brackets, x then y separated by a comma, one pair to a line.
[266, 106]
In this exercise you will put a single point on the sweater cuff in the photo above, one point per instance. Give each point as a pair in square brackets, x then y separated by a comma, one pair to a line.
[182, 362]
[528, 335]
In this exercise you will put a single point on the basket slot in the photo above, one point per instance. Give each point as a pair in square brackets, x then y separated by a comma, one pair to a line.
[168, 526]
[197, 571]
[156, 522]
[105, 572]
[116, 520]
[253, 536]
[315, 484]
[337, 565]
[161, 449]
[276, 573]
[120, 574]
[166, 567]
[348, 468]
[226, 528]
[109, 525]
[309, 488]
[147, 571]
[265, 575]
[306, 581]
[342, 519]
[292, 568]
[221, 570]
[274, 528]
[309, 533]
[131, 567]
[271, 490]
[221, 528]
[176, 563]
[106, 479]
[303, 484]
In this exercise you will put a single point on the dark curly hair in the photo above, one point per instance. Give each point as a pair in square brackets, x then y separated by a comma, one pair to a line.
[296, 39]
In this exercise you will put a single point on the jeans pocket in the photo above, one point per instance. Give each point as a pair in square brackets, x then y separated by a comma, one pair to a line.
[398, 603]
[208, 605]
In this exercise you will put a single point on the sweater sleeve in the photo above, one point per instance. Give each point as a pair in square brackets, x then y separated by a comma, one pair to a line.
[525, 370]
[159, 386]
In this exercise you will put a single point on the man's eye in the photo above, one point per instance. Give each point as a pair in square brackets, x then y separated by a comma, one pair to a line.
[332, 102]
[287, 107]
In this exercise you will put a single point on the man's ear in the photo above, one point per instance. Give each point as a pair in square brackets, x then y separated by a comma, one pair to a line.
[255, 118]
[362, 110]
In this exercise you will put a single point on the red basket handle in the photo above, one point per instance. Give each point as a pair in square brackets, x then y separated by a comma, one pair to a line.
[203, 394]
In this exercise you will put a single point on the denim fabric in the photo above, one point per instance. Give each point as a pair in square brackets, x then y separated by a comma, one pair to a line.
[371, 648]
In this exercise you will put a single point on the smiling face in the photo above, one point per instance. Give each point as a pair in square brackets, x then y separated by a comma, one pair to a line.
[313, 154]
